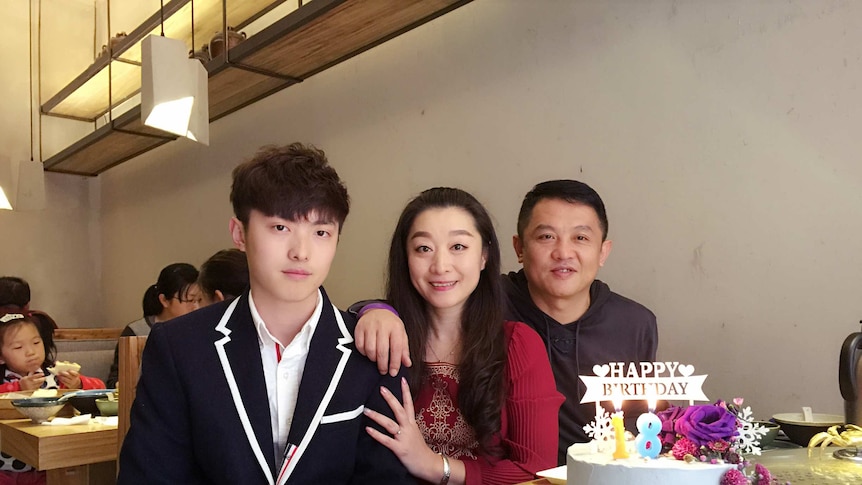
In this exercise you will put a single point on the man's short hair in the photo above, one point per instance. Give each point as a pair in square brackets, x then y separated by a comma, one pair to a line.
[571, 191]
[289, 182]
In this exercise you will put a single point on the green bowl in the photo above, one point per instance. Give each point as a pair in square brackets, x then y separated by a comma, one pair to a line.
[107, 407]
[771, 432]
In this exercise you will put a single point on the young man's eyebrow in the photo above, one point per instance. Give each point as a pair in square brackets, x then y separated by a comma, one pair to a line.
[322, 222]
[319, 221]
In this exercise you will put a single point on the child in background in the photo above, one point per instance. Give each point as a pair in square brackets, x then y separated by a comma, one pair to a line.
[25, 357]
[24, 360]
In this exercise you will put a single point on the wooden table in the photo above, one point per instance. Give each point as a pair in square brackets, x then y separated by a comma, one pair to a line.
[71, 455]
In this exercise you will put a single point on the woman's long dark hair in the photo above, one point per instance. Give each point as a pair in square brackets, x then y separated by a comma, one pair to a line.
[174, 279]
[483, 346]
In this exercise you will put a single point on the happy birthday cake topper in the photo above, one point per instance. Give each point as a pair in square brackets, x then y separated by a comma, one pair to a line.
[643, 380]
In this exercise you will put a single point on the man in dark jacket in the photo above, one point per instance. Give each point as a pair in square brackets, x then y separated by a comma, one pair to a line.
[266, 388]
[561, 243]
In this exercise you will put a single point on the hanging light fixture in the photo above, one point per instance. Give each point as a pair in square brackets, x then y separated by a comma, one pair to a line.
[6, 188]
[22, 185]
[31, 186]
[174, 93]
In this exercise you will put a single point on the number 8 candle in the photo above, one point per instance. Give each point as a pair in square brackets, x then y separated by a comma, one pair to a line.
[649, 426]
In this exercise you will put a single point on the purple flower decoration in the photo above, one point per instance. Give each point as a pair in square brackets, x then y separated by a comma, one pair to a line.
[705, 424]
[668, 418]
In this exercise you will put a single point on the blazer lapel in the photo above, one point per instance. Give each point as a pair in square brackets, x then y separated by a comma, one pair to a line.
[239, 353]
[327, 358]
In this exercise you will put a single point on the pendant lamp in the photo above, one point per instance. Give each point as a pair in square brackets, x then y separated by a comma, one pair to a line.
[22, 185]
[7, 190]
[31, 186]
[174, 94]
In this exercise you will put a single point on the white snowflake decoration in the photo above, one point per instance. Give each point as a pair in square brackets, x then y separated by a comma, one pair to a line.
[750, 433]
[601, 429]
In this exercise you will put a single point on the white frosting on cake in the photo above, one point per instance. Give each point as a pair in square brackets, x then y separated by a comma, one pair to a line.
[586, 466]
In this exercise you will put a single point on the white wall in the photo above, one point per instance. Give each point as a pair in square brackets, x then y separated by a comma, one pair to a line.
[722, 136]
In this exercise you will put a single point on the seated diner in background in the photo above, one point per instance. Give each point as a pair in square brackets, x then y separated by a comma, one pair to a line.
[481, 406]
[174, 294]
[25, 361]
[15, 297]
[223, 276]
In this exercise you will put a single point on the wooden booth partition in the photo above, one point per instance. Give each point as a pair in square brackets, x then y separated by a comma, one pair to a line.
[87, 333]
[131, 349]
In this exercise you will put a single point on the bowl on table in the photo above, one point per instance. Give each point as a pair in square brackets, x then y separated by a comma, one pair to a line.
[38, 409]
[771, 432]
[85, 401]
[107, 407]
[800, 431]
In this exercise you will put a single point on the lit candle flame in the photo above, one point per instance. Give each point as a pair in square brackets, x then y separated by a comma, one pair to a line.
[651, 402]
[617, 399]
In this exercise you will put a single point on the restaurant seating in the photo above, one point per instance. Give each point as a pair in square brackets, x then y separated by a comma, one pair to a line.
[131, 350]
[92, 348]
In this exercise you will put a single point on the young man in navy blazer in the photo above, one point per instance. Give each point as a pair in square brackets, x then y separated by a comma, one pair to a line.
[267, 388]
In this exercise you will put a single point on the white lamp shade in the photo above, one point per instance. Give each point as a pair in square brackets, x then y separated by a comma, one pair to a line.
[7, 189]
[199, 124]
[4, 200]
[31, 186]
[171, 93]
[22, 185]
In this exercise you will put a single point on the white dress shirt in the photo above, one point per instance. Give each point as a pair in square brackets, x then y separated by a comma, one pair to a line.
[282, 370]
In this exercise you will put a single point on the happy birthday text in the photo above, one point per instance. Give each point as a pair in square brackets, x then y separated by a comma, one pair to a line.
[643, 380]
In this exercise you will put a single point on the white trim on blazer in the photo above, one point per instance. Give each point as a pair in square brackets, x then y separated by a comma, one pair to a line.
[289, 465]
[234, 390]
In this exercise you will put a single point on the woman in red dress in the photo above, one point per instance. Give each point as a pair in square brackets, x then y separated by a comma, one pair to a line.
[481, 405]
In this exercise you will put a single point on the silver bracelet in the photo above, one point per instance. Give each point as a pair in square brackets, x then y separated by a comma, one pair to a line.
[446, 470]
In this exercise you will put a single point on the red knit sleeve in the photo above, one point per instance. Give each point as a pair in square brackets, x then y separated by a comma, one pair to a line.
[530, 423]
[10, 387]
[91, 382]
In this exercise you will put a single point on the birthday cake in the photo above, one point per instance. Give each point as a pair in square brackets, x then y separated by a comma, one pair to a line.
[693, 445]
[586, 466]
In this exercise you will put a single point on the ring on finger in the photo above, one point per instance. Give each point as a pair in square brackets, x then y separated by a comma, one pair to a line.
[399, 431]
